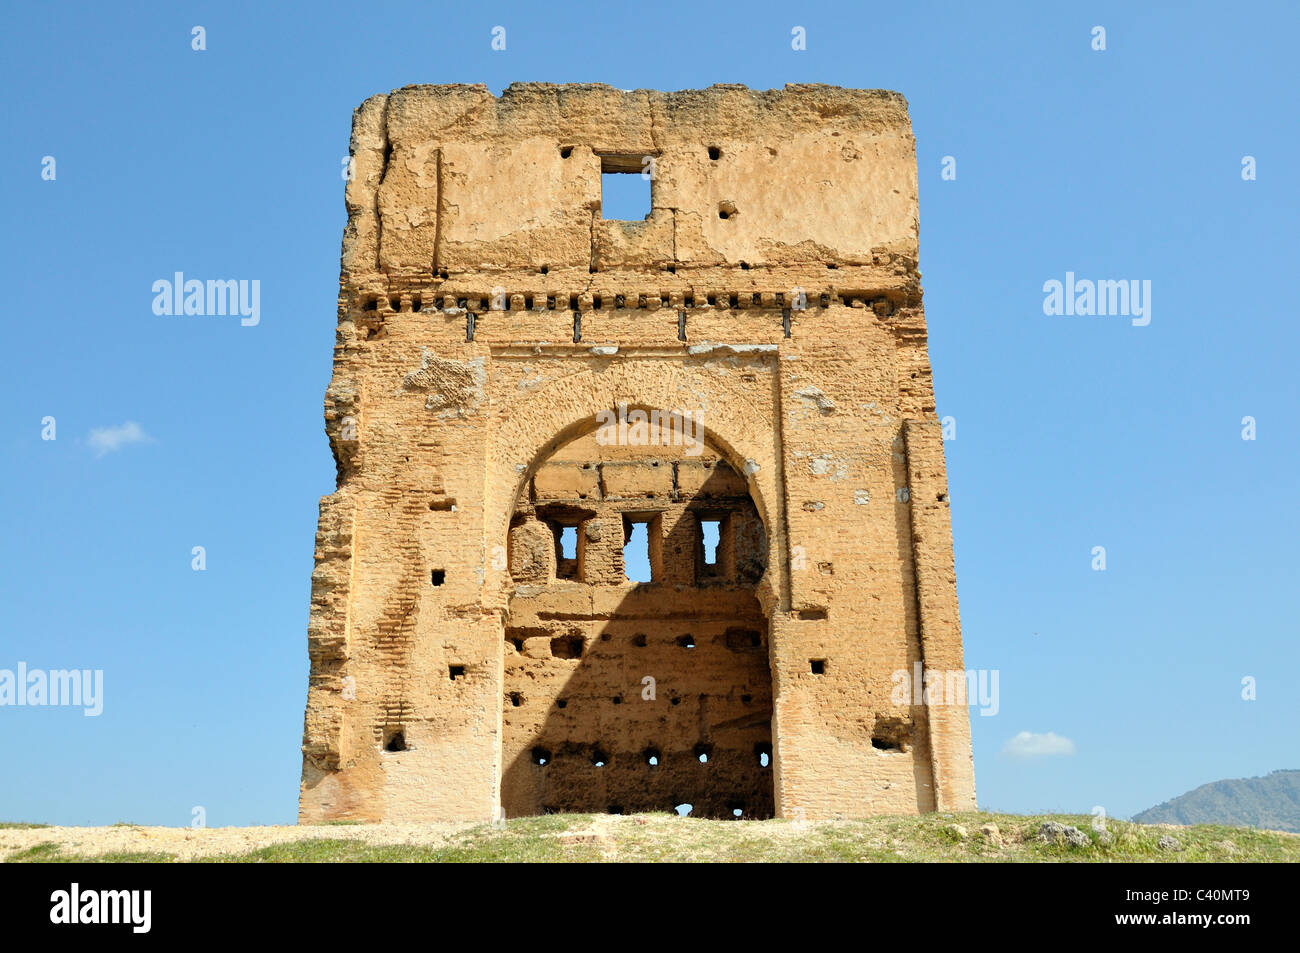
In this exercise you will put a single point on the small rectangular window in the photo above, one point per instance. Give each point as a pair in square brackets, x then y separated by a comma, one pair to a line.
[625, 187]
[568, 550]
[714, 547]
[636, 553]
[712, 533]
[643, 547]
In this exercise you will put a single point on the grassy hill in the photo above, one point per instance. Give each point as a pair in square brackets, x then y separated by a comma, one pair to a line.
[973, 837]
[1271, 802]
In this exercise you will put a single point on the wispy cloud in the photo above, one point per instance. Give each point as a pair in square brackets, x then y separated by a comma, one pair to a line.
[1029, 744]
[108, 439]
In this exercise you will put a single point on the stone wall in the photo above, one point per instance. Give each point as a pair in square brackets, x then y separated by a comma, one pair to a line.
[491, 320]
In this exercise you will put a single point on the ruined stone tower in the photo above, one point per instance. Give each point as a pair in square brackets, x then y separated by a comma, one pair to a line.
[524, 391]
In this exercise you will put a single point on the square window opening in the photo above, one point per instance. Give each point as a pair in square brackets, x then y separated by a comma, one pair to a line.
[625, 188]
[569, 549]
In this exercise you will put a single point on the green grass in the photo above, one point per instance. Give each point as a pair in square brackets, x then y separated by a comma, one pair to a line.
[19, 826]
[535, 839]
[48, 852]
[668, 838]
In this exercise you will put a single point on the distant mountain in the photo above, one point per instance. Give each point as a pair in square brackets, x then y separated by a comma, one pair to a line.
[1271, 802]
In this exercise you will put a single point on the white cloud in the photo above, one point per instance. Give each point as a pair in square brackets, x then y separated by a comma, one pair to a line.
[108, 439]
[1029, 744]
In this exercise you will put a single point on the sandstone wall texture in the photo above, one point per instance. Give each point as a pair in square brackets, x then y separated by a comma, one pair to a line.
[522, 388]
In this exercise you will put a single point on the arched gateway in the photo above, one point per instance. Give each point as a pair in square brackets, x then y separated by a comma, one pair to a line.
[524, 392]
[623, 695]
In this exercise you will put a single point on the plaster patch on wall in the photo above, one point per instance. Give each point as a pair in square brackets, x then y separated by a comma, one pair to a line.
[710, 347]
[528, 383]
[875, 408]
[812, 397]
[825, 464]
[455, 388]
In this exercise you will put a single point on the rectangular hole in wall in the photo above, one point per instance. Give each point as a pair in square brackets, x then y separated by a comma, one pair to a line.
[711, 533]
[456, 672]
[636, 550]
[568, 564]
[567, 646]
[714, 560]
[438, 576]
[568, 537]
[891, 734]
[624, 191]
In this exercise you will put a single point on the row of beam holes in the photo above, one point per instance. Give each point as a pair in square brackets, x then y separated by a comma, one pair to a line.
[570, 647]
[617, 700]
[565, 646]
[394, 303]
[817, 667]
[620, 301]
[652, 756]
[517, 698]
[737, 809]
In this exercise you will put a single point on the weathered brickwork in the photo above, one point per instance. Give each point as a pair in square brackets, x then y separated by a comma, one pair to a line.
[522, 388]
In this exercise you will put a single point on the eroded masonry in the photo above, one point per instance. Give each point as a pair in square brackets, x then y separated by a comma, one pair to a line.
[632, 514]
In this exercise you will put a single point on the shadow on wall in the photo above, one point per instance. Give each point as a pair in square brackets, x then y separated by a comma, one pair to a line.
[643, 711]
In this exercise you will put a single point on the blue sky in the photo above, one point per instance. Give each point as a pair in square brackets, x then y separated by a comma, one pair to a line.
[1071, 432]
